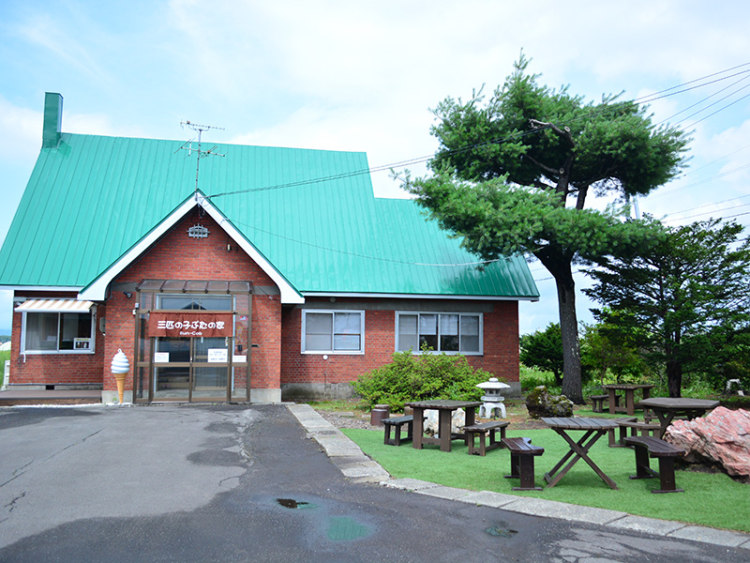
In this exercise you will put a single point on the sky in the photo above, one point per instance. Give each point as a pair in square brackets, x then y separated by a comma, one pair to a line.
[364, 76]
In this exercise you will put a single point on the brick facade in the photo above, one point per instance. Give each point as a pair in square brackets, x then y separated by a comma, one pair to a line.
[299, 370]
[176, 256]
[276, 357]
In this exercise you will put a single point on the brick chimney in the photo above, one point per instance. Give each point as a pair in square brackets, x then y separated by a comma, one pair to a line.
[53, 103]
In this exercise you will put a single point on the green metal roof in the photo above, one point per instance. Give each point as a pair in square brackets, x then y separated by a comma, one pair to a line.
[310, 213]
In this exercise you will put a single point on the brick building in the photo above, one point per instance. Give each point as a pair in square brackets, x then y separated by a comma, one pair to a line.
[272, 273]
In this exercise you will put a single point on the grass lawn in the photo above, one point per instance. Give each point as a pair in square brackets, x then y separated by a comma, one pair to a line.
[710, 499]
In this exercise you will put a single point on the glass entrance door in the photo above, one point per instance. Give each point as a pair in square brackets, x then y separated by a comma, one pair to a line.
[192, 341]
[192, 369]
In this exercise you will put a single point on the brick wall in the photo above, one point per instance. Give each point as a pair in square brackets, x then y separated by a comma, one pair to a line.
[500, 345]
[176, 256]
[276, 358]
[51, 369]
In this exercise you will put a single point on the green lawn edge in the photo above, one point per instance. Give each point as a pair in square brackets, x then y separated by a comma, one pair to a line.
[710, 499]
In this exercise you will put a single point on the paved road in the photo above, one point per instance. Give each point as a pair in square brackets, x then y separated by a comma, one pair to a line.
[190, 483]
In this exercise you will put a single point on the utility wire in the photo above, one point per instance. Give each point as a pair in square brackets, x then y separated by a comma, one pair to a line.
[698, 182]
[370, 257]
[514, 136]
[658, 95]
[717, 111]
[705, 99]
[712, 203]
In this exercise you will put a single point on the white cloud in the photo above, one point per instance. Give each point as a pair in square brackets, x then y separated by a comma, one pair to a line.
[359, 76]
[22, 132]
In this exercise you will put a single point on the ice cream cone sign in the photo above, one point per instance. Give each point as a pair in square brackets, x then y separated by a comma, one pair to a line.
[120, 368]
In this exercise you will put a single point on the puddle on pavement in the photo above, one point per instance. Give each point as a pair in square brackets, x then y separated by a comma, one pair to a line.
[344, 528]
[500, 532]
[337, 528]
[291, 503]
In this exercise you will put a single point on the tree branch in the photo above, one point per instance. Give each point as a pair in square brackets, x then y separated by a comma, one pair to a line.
[564, 133]
[547, 169]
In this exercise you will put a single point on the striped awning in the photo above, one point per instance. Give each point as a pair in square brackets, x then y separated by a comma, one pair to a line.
[54, 306]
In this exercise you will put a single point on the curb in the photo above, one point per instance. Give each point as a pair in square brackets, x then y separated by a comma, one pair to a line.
[358, 467]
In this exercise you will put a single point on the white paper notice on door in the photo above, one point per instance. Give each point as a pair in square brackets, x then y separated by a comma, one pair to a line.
[161, 357]
[217, 355]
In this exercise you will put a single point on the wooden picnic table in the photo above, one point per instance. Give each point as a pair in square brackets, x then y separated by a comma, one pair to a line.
[629, 389]
[666, 408]
[593, 429]
[445, 409]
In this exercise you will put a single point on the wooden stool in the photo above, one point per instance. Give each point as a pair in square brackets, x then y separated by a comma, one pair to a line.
[398, 422]
[522, 455]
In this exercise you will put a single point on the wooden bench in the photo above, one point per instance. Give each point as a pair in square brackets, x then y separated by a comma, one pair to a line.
[644, 428]
[481, 431]
[615, 443]
[598, 401]
[522, 455]
[397, 422]
[666, 453]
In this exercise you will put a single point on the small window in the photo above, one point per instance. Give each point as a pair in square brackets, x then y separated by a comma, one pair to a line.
[443, 332]
[58, 332]
[330, 332]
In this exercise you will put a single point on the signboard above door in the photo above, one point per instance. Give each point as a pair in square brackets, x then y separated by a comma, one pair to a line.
[190, 324]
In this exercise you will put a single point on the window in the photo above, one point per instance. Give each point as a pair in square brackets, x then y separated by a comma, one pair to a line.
[58, 332]
[331, 332]
[443, 332]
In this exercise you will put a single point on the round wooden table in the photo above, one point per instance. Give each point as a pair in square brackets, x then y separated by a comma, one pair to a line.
[666, 408]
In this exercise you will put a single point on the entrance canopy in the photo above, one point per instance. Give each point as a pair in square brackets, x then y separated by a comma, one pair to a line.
[195, 286]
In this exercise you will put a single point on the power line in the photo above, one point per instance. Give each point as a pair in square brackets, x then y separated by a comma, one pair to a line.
[658, 95]
[699, 182]
[717, 111]
[370, 257]
[710, 212]
[363, 171]
[514, 136]
[705, 99]
[712, 203]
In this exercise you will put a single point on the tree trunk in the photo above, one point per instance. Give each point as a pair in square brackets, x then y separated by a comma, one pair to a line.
[572, 386]
[558, 263]
[674, 378]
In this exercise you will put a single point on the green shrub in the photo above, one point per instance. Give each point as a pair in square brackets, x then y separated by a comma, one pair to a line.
[736, 402]
[420, 377]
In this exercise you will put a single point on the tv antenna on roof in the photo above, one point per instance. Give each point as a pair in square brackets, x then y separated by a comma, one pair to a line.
[188, 146]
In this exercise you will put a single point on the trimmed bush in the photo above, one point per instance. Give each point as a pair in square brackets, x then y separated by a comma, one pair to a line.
[420, 377]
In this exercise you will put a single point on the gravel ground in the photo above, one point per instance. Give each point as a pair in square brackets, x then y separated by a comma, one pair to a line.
[348, 419]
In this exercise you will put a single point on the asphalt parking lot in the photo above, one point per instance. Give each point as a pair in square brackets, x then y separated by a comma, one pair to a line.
[239, 483]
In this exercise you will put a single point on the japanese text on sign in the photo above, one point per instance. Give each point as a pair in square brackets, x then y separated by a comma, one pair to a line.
[190, 324]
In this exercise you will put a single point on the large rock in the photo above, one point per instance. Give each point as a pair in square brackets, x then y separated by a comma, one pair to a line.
[432, 423]
[723, 437]
[541, 403]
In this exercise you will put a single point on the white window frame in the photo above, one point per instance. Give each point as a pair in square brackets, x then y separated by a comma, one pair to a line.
[32, 351]
[333, 312]
[480, 352]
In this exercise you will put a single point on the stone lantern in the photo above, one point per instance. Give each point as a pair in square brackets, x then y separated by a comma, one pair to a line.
[120, 368]
[492, 398]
